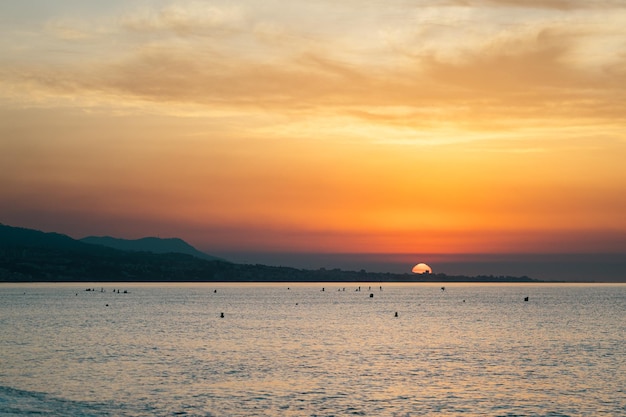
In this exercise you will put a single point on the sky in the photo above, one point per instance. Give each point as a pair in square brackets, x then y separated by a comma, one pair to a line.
[319, 127]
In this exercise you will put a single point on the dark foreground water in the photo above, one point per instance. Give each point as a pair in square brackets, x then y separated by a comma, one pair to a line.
[295, 350]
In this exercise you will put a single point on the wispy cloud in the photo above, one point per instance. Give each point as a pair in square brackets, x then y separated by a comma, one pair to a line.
[546, 4]
[442, 66]
[185, 19]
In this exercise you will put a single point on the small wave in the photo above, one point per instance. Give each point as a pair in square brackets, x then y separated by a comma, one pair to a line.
[16, 402]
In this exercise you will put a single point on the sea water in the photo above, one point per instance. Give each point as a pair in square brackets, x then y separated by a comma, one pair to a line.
[321, 349]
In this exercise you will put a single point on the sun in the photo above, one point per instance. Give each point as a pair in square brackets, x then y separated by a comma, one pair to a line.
[422, 268]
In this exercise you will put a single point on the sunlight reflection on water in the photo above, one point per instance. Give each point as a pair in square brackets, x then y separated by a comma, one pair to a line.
[472, 349]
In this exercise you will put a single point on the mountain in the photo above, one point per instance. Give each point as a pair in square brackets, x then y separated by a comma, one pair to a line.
[29, 238]
[149, 244]
[28, 255]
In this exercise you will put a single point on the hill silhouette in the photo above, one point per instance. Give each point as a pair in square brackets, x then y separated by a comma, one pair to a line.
[149, 244]
[28, 255]
[19, 236]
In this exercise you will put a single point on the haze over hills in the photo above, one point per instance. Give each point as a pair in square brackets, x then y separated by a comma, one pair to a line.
[149, 244]
[28, 255]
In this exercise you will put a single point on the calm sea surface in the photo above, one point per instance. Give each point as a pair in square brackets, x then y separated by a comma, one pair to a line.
[313, 350]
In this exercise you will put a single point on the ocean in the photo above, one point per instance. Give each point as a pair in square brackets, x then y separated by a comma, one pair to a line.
[314, 349]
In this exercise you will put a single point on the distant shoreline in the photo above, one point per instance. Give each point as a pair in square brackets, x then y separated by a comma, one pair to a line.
[434, 282]
[32, 256]
[348, 277]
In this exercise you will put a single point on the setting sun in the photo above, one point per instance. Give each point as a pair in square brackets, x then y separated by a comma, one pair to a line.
[422, 268]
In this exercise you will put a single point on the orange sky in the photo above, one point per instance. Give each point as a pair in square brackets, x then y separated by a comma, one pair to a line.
[318, 126]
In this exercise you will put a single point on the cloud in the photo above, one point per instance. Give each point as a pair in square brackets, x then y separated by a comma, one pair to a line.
[210, 58]
[68, 30]
[185, 19]
[545, 4]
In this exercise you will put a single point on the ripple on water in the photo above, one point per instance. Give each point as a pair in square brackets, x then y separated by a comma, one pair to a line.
[165, 351]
